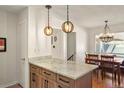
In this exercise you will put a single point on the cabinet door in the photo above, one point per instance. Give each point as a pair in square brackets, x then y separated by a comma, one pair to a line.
[48, 83]
[51, 84]
[40, 82]
[34, 80]
[45, 84]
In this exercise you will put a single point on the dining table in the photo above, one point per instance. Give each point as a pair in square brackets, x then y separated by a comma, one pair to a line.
[117, 61]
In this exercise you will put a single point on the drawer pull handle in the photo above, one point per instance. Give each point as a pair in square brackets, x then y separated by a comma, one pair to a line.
[64, 80]
[34, 67]
[47, 73]
[59, 86]
[33, 80]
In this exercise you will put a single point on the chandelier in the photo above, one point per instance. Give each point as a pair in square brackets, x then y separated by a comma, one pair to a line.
[106, 36]
[67, 26]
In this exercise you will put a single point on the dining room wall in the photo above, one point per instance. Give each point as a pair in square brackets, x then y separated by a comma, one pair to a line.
[92, 32]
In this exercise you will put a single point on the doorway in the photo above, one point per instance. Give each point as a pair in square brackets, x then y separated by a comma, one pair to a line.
[71, 46]
[22, 53]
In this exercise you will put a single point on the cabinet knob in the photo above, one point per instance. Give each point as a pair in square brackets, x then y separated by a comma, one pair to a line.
[59, 86]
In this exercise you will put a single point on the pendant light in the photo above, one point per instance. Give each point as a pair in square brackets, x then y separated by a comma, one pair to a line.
[67, 26]
[48, 30]
[106, 36]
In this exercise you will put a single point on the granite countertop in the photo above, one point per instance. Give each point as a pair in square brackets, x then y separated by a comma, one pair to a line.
[71, 69]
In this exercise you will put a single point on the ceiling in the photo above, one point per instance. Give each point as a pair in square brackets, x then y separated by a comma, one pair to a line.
[12, 8]
[88, 16]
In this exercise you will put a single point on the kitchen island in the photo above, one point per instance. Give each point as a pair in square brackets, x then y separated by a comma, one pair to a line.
[55, 73]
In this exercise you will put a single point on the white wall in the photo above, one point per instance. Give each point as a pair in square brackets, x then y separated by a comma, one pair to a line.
[96, 31]
[40, 45]
[81, 43]
[8, 59]
[58, 51]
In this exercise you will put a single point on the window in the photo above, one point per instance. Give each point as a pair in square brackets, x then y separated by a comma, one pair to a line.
[114, 47]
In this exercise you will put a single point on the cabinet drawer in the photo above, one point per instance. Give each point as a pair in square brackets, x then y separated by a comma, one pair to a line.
[58, 85]
[49, 74]
[35, 69]
[65, 81]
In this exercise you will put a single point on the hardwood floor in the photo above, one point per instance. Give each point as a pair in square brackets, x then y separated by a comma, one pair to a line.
[97, 82]
[15, 86]
[107, 81]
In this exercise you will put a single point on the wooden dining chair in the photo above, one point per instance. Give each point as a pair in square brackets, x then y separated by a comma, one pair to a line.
[92, 56]
[108, 65]
[91, 59]
[122, 71]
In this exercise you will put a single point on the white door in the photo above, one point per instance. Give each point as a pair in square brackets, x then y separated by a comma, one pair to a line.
[22, 52]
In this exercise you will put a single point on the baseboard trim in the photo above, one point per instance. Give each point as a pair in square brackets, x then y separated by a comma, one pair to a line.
[8, 84]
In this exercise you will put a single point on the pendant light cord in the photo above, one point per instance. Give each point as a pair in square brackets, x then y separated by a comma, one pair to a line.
[67, 13]
[48, 17]
[48, 7]
[106, 27]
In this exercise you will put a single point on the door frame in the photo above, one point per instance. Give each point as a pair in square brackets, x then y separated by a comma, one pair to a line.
[26, 74]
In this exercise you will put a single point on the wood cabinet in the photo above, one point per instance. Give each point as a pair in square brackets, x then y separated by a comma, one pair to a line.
[34, 80]
[47, 83]
[59, 85]
[65, 81]
[43, 78]
[35, 77]
[48, 74]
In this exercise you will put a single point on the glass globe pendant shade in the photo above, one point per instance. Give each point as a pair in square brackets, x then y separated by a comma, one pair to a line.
[48, 30]
[67, 27]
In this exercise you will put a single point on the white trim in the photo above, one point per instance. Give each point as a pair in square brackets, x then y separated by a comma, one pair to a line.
[8, 84]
